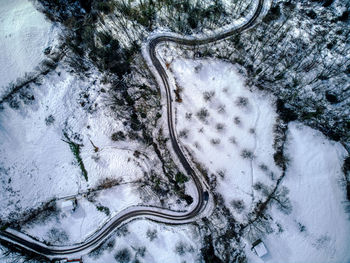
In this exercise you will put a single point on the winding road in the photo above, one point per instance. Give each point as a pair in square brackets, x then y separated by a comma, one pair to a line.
[158, 214]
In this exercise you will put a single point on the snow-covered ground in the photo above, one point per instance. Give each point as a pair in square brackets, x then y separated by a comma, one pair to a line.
[318, 229]
[226, 127]
[37, 164]
[161, 243]
[24, 35]
[222, 124]
[71, 227]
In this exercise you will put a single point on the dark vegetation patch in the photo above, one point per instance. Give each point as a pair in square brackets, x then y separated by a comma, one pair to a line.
[75, 148]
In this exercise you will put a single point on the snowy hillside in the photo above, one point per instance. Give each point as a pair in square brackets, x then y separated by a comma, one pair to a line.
[227, 128]
[174, 131]
[318, 229]
[25, 33]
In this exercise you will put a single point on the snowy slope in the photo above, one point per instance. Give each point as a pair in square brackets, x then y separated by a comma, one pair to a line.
[318, 229]
[24, 35]
[37, 164]
[239, 121]
[164, 244]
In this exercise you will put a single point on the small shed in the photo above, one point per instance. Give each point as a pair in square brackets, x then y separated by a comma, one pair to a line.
[259, 248]
[68, 205]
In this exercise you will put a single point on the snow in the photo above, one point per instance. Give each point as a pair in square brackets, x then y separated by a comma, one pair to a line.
[160, 249]
[85, 219]
[24, 34]
[260, 249]
[67, 205]
[230, 129]
[318, 228]
[36, 163]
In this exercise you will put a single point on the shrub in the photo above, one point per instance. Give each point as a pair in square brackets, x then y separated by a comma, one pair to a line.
[75, 148]
[184, 133]
[280, 198]
[49, 120]
[103, 209]
[123, 255]
[238, 205]
[237, 120]
[247, 154]
[141, 251]
[215, 141]
[188, 115]
[263, 167]
[181, 178]
[242, 102]
[273, 14]
[123, 231]
[221, 109]
[220, 127]
[221, 173]
[57, 235]
[180, 248]
[118, 136]
[301, 227]
[280, 159]
[203, 114]
[151, 234]
[105, 7]
[284, 112]
[208, 95]
[233, 140]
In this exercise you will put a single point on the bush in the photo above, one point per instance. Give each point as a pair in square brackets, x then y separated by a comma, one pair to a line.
[280, 159]
[237, 120]
[180, 248]
[123, 256]
[238, 205]
[220, 127]
[273, 14]
[105, 7]
[75, 148]
[103, 209]
[208, 95]
[123, 231]
[57, 236]
[233, 140]
[118, 136]
[181, 178]
[49, 120]
[151, 234]
[247, 154]
[242, 102]
[215, 141]
[263, 167]
[203, 114]
[284, 112]
[184, 133]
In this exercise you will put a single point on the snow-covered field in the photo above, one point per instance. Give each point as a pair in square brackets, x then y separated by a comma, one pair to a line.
[37, 164]
[222, 125]
[226, 127]
[150, 242]
[72, 227]
[24, 34]
[318, 229]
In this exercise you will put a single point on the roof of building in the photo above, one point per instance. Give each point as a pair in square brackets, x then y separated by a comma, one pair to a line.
[67, 205]
[260, 248]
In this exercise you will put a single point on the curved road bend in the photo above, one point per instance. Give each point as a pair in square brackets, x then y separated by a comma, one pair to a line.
[158, 214]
